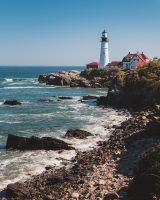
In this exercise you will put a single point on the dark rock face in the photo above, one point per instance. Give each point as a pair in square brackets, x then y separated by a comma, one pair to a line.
[113, 99]
[144, 186]
[42, 78]
[146, 182]
[16, 191]
[35, 143]
[77, 133]
[153, 127]
[12, 102]
[127, 99]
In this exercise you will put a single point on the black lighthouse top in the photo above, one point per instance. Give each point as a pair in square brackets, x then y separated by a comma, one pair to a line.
[104, 37]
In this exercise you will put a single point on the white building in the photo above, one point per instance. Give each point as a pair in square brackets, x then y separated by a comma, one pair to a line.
[104, 53]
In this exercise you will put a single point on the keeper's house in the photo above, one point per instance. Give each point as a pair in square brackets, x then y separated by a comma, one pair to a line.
[130, 61]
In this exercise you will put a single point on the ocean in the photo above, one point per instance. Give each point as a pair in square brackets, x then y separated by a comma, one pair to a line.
[42, 115]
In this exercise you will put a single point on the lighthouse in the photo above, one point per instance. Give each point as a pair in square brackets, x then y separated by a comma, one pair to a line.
[104, 54]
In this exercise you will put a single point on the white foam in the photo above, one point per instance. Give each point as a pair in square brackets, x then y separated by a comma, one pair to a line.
[8, 79]
[22, 165]
[26, 87]
[10, 122]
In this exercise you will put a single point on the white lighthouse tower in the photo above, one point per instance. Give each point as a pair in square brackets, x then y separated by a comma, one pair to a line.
[104, 55]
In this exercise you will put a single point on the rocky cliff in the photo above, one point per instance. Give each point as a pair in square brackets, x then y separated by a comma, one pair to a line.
[138, 88]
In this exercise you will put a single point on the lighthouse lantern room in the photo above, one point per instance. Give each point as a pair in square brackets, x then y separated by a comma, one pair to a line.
[104, 53]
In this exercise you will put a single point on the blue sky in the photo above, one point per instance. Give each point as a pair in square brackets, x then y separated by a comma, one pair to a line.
[67, 32]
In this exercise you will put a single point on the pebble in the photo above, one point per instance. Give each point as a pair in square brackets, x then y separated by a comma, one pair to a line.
[75, 195]
[96, 174]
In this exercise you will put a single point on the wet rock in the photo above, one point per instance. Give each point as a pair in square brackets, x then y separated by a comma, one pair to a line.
[55, 180]
[35, 143]
[77, 133]
[111, 196]
[65, 97]
[49, 167]
[42, 78]
[12, 102]
[89, 97]
[16, 191]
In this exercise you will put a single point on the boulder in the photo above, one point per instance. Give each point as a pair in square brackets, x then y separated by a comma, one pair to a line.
[65, 97]
[77, 133]
[16, 191]
[84, 83]
[35, 143]
[102, 101]
[55, 80]
[89, 97]
[12, 102]
[42, 78]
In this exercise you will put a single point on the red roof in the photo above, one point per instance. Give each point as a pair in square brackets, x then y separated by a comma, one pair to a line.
[142, 56]
[114, 63]
[129, 55]
[92, 64]
[139, 63]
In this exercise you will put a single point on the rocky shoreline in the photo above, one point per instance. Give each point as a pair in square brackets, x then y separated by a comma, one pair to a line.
[74, 78]
[102, 173]
[124, 167]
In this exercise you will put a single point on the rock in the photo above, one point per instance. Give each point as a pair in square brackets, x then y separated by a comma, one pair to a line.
[77, 133]
[55, 80]
[144, 117]
[12, 102]
[65, 97]
[153, 127]
[74, 79]
[89, 97]
[144, 185]
[48, 167]
[102, 182]
[75, 195]
[42, 78]
[102, 101]
[111, 196]
[84, 83]
[16, 190]
[49, 197]
[55, 180]
[35, 143]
